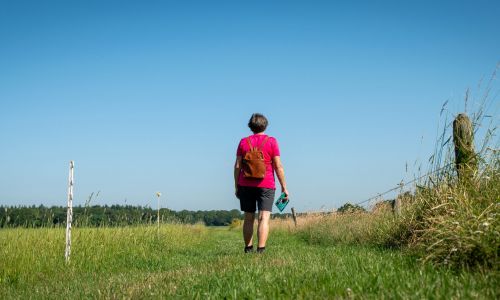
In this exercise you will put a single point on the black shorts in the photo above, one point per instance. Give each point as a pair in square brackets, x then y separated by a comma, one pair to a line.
[253, 197]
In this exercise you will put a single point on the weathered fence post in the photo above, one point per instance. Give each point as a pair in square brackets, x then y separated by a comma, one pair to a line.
[463, 138]
[397, 201]
[294, 216]
[69, 213]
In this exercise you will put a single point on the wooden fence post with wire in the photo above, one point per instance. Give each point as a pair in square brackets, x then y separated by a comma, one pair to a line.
[397, 201]
[294, 216]
[465, 157]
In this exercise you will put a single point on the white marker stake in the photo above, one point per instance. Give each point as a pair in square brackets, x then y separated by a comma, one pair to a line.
[158, 194]
[69, 216]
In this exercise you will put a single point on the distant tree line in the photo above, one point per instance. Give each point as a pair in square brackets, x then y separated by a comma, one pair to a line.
[114, 215]
[122, 215]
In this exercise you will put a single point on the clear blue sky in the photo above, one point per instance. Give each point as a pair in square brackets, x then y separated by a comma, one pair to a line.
[151, 96]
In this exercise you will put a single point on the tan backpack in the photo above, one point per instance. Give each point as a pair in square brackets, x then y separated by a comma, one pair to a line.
[254, 166]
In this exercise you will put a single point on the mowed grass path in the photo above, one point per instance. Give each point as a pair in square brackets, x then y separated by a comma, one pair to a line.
[195, 262]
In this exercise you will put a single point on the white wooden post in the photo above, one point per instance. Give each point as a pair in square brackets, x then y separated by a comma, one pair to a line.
[158, 194]
[69, 215]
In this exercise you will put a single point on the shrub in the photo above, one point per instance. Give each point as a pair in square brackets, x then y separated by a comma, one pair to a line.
[235, 224]
[350, 208]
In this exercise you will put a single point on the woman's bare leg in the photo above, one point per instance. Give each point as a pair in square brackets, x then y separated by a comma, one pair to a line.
[263, 230]
[248, 228]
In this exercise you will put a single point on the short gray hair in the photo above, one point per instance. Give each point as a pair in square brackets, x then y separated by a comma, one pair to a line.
[257, 123]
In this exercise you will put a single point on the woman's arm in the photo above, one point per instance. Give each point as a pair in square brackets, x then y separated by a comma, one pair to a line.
[280, 172]
[237, 170]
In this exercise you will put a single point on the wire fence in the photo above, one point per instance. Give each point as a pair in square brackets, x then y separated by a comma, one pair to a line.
[401, 185]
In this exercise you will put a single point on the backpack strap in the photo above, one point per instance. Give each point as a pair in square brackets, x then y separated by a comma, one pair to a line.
[263, 143]
[249, 143]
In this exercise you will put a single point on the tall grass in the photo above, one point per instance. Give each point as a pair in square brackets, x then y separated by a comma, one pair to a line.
[455, 223]
[355, 228]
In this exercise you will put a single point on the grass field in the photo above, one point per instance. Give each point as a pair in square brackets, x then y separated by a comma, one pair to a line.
[197, 262]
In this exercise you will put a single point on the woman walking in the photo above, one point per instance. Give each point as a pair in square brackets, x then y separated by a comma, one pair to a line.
[257, 158]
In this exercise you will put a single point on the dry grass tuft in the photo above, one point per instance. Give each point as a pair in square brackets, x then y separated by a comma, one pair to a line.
[344, 228]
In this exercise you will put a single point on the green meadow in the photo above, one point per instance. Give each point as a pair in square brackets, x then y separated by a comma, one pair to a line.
[198, 262]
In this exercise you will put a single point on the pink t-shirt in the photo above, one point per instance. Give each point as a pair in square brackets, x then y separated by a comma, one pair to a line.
[270, 150]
